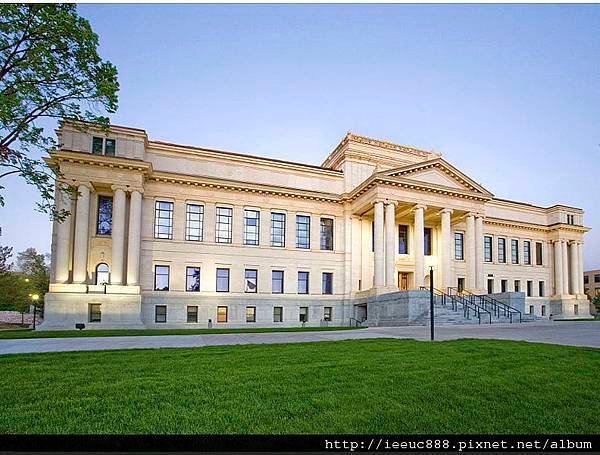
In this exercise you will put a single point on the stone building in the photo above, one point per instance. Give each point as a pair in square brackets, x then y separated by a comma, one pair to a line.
[169, 235]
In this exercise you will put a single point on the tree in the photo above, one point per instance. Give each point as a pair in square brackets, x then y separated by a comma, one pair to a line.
[5, 254]
[33, 266]
[596, 303]
[49, 69]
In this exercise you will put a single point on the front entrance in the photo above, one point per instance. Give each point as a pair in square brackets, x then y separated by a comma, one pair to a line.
[403, 281]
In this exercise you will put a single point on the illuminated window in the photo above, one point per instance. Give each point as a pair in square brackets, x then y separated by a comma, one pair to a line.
[221, 314]
[95, 312]
[104, 218]
[102, 273]
[250, 314]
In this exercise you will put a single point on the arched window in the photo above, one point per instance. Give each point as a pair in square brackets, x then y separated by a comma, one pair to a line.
[102, 273]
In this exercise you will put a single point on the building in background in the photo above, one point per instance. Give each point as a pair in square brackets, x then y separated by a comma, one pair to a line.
[164, 234]
[591, 283]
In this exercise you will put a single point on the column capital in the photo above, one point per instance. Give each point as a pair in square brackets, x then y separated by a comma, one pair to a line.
[419, 206]
[377, 201]
[79, 184]
[450, 211]
[469, 214]
[118, 187]
[136, 189]
[390, 202]
[479, 215]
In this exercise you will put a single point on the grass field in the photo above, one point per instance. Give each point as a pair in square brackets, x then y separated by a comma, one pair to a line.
[28, 333]
[358, 386]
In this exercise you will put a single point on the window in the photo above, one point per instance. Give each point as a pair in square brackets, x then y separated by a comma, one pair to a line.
[192, 279]
[460, 284]
[503, 285]
[502, 250]
[161, 277]
[527, 252]
[222, 280]
[517, 286]
[514, 251]
[160, 314]
[163, 220]
[102, 275]
[541, 286]
[302, 282]
[250, 314]
[596, 278]
[223, 226]
[530, 309]
[529, 288]
[251, 227]
[278, 229]
[586, 279]
[303, 314]
[192, 313]
[103, 146]
[194, 221]
[427, 238]
[543, 310]
[302, 231]
[221, 314]
[327, 313]
[95, 312]
[459, 254]
[104, 216]
[487, 249]
[327, 283]
[251, 280]
[326, 233]
[402, 239]
[576, 309]
[277, 281]
[538, 254]
[490, 286]
[278, 314]
[570, 219]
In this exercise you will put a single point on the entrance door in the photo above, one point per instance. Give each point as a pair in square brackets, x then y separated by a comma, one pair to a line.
[403, 281]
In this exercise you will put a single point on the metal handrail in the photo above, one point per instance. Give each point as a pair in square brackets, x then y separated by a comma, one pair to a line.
[496, 305]
[469, 304]
[356, 322]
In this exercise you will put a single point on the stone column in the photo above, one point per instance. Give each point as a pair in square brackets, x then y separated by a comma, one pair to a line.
[419, 245]
[135, 238]
[558, 268]
[390, 244]
[479, 253]
[118, 235]
[565, 267]
[446, 262]
[574, 268]
[581, 286]
[80, 247]
[378, 236]
[63, 238]
[470, 253]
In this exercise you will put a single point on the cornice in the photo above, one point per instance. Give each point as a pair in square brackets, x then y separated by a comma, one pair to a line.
[98, 160]
[536, 227]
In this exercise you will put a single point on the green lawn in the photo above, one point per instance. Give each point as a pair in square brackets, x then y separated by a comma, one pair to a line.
[358, 386]
[28, 333]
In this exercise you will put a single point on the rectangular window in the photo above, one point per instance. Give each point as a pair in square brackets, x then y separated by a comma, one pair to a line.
[517, 286]
[529, 288]
[160, 314]
[278, 314]
[250, 314]
[596, 278]
[221, 314]
[194, 221]
[527, 252]
[110, 147]
[163, 220]
[538, 253]
[503, 285]
[402, 239]
[327, 313]
[104, 218]
[95, 312]
[224, 216]
[326, 233]
[487, 249]
[97, 145]
[576, 309]
[514, 251]
[222, 280]
[303, 314]
[192, 313]
[543, 310]
[530, 309]
[459, 254]
[192, 279]
[302, 282]
[327, 283]
[302, 231]
[161, 277]
[460, 284]
[427, 239]
[541, 288]
[251, 280]
[103, 146]
[277, 281]
[278, 229]
[251, 227]
[490, 286]
[586, 279]
[502, 250]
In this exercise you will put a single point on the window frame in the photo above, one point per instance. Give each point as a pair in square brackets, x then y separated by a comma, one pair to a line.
[246, 278]
[187, 312]
[217, 277]
[104, 146]
[514, 251]
[539, 253]
[326, 233]
[280, 308]
[187, 277]
[278, 228]
[459, 235]
[276, 280]
[158, 215]
[428, 241]
[303, 246]
[107, 233]
[307, 274]
[403, 239]
[303, 313]
[327, 313]
[156, 314]
[199, 237]
[223, 224]
[250, 318]
[92, 313]
[251, 238]
[156, 275]
[488, 248]
[526, 252]
[107, 274]
[502, 250]
[220, 307]
[529, 288]
[327, 283]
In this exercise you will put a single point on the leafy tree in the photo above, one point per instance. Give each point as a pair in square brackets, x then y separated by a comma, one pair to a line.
[15, 292]
[34, 267]
[49, 69]
[596, 303]
[5, 255]
[31, 276]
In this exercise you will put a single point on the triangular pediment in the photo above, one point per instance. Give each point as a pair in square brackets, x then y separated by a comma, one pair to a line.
[438, 172]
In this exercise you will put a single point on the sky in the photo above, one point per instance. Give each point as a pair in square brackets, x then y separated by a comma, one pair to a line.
[509, 94]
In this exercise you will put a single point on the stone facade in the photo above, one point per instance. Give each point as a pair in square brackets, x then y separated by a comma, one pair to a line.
[370, 221]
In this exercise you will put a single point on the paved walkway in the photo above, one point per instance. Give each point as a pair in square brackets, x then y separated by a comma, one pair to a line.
[584, 333]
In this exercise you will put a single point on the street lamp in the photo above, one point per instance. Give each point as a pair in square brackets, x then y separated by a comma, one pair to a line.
[34, 298]
[431, 315]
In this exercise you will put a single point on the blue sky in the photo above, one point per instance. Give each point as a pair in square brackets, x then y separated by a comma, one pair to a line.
[509, 94]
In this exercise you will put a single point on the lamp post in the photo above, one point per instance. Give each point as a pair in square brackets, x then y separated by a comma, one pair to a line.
[34, 298]
[431, 315]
